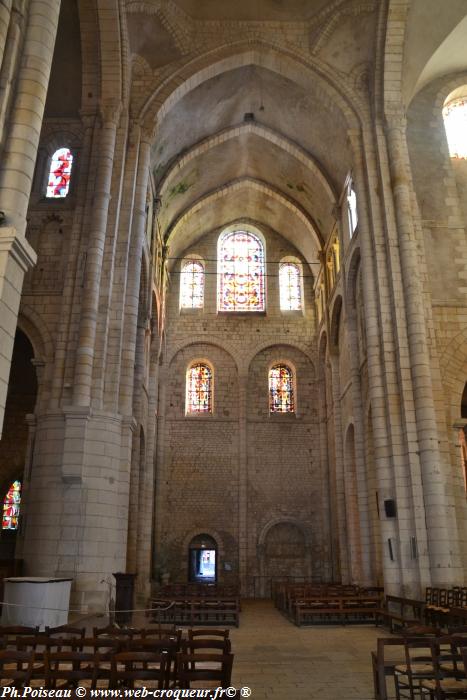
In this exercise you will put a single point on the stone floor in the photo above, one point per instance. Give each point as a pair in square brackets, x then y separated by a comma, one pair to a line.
[280, 661]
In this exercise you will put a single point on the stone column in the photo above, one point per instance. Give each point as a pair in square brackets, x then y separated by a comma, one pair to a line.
[110, 115]
[5, 12]
[360, 466]
[19, 155]
[339, 471]
[443, 553]
[138, 231]
[377, 387]
[17, 166]
[243, 483]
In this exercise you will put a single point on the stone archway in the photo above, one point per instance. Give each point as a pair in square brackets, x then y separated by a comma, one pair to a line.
[284, 554]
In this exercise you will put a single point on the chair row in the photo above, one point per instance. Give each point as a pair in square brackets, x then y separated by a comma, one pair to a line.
[455, 597]
[159, 670]
[429, 665]
[197, 590]
[195, 611]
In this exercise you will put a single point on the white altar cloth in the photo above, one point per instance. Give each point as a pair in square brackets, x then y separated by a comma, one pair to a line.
[36, 601]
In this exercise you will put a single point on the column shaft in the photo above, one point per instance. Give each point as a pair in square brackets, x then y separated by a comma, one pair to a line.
[95, 254]
[20, 151]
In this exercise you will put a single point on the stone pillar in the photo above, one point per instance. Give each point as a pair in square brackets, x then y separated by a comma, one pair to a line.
[339, 470]
[443, 554]
[16, 257]
[110, 115]
[243, 483]
[19, 155]
[138, 231]
[5, 12]
[17, 165]
[360, 466]
[377, 389]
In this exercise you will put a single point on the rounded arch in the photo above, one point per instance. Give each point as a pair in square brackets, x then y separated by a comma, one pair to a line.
[289, 520]
[29, 321]
[266, 133]
[202, 340]
[213, 534]
[242, 53]
[238, 184]
[266, 344]
[453, 365]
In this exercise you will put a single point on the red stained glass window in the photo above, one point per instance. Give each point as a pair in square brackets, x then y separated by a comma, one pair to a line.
[199, 389]
[241, 272]
[11, 505]
[60, 174]
[281, 390]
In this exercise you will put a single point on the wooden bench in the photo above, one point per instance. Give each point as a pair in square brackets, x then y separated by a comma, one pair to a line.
[196, 611]
[405, 612]
[343, 609]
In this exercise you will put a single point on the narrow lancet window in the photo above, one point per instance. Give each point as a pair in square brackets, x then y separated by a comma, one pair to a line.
[352, 208]
[199, 388]
[241, 272]
[455, 123]
[11, 504]
[281, 389]
[60, 174]
[192, 285]
[290, 287]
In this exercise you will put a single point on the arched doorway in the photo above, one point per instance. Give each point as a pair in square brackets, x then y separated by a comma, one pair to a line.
[21, 400]
[202, 560]
[284, 555]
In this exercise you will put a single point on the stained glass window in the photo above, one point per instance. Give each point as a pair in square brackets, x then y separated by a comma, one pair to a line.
[290, 291]
[11, 505]
[60, 174]
[455, 123]
[281, 390]
[241, 272]
[199, 389]
[192, 285]
[352, 209]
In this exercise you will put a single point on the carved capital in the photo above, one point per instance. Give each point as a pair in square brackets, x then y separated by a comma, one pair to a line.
[110, 111]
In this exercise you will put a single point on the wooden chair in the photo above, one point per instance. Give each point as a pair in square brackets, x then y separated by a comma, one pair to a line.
[206, 646]
[208, 632]
[162, 632]
[16, 668]
[69, 669]
[159, 631]
[112, 631]
[104, 649]
[446, 684]
[203, 669]
[12, 632]
[141, 667]
[66, 631]
[418, 666]
[41, 644]
[154, 645]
